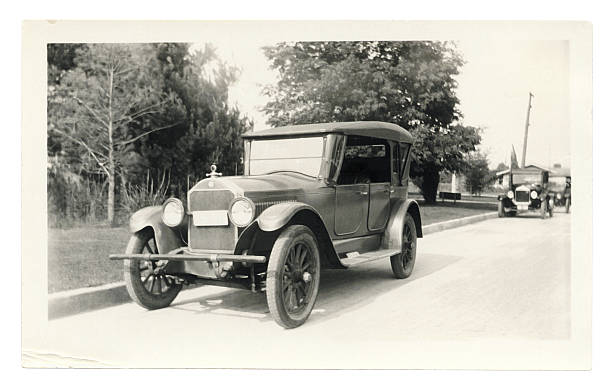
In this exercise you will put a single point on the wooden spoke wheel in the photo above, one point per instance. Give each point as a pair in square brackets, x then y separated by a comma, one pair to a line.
[293, 276]
[146, 281]
[403, 263]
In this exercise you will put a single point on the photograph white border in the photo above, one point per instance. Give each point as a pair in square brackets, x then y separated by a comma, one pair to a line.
[574, 353]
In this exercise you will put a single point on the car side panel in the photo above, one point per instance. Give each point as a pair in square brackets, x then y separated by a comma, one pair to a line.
[380, 206]
[276, 217]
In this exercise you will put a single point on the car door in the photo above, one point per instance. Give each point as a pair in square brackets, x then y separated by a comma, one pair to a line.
[351, 208]
[379, 205]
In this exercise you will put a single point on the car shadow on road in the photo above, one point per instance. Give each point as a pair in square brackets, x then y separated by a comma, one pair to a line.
[339, 291]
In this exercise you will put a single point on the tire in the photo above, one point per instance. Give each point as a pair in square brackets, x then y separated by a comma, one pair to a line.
[543, 209]
[551, 209]
[567, 205]
[402, 264]
[500, 210]
[146, 282]
[293, 275]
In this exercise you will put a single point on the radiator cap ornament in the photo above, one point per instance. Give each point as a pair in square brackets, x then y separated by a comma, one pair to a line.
[213, 172]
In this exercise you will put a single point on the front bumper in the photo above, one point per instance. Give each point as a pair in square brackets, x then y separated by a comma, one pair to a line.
[184, 254]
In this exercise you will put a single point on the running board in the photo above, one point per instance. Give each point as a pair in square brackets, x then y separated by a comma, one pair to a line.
[369, 256]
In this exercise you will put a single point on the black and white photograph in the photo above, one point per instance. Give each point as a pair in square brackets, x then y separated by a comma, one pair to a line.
[307, 195]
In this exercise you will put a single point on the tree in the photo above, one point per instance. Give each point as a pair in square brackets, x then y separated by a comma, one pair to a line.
[407, 83]
[209, 129]
[477, 174]
[105, 104]
[501, 166]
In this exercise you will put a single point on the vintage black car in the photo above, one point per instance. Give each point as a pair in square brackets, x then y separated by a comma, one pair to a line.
[527, 190]
[560, 184]
[312, 196]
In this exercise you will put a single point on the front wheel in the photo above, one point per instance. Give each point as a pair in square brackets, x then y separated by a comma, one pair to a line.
[146, 281]
[500, 210]
[402, 264]
[543, 209]
[551, 208]
[293, 275]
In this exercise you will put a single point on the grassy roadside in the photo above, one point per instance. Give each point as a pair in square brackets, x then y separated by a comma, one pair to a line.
[445, 211]
[78, 257]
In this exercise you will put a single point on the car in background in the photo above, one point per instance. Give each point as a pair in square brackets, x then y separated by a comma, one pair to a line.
[527, 191]
[314, 196]
[560, 184]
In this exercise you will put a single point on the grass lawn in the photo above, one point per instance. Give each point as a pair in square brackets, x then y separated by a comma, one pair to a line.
[78, 257]
[444, 211]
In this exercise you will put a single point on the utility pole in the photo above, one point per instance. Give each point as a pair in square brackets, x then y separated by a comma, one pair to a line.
[526, 131]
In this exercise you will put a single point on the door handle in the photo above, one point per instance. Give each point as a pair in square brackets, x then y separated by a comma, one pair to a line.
[362, 192]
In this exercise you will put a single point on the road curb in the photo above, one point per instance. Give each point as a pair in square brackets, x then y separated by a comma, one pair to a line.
[436, 227]
[75, 301]
[70, 302]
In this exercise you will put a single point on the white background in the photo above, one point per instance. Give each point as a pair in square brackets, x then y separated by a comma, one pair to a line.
[15, 12]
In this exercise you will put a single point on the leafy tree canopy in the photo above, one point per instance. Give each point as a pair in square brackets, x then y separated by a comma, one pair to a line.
[129, 110]
[477, 174]
[408, 83]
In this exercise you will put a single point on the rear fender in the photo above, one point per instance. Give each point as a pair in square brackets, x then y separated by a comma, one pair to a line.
[262, 233]
[166, 238]
[395, 228]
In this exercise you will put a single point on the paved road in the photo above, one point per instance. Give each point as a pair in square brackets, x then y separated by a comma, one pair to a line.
[499, 280]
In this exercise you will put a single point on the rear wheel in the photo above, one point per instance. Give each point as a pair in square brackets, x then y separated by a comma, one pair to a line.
[146, 281]
[500, 210]
[403, 263]
[292, 281]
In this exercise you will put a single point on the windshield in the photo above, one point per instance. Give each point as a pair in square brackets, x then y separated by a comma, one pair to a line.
[557, 183]
[526, 178]
[302, 155]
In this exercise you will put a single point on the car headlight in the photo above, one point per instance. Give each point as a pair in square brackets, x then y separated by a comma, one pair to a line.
[534, 194]
[510, 194]
[242, 211]
[173, 212]
[558, 196]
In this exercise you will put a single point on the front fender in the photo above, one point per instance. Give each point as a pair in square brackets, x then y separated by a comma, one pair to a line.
[263, 232]
[166, 238]
[277, 216]
[392, 238]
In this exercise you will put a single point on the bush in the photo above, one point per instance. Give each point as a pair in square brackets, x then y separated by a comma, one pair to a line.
[71, 198]
[135, 197]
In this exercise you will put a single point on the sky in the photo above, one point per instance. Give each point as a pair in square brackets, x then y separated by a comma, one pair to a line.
[493, 89]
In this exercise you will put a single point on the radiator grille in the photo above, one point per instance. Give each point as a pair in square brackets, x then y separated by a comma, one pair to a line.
[211, 237]
[522, 196]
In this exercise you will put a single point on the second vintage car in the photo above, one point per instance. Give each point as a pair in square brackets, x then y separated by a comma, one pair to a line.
[315, 196]
[561, 186]
[527, 190]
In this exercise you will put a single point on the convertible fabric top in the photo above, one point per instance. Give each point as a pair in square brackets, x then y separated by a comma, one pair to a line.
[561, 171]
[374, 129]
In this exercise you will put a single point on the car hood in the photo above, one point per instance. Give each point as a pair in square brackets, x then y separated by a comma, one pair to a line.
[285, 183]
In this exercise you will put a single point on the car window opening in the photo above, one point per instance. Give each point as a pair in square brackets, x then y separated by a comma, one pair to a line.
[366, 160]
